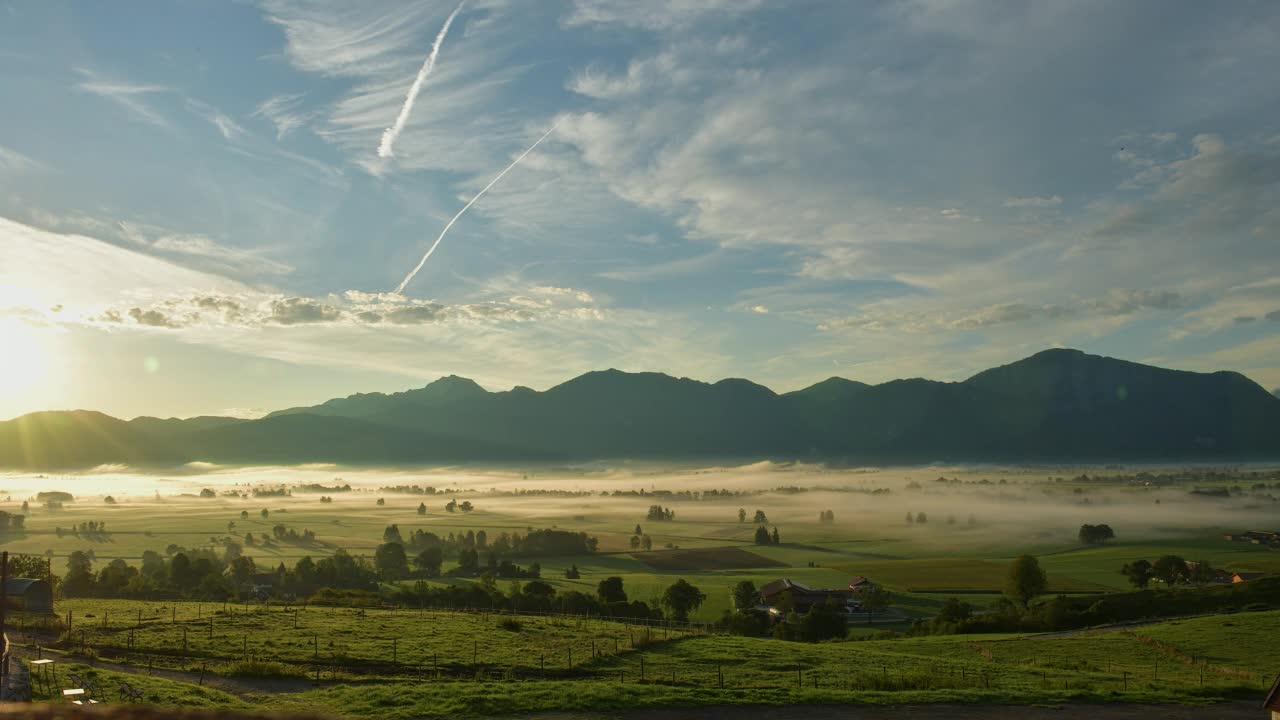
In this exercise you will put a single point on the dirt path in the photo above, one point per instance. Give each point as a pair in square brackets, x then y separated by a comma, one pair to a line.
[242, 687]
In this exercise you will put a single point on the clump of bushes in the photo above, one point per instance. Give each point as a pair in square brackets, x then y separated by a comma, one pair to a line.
[262, 669]
[511, 624]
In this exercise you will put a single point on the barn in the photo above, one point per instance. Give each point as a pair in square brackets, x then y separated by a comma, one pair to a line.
[29, 594]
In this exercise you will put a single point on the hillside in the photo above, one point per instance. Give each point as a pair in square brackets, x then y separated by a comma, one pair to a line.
[1057, 404]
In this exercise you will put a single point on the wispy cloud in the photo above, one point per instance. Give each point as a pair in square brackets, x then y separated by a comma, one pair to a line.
[1034, 201]
[13, 161]
[283, 111]
[1117, 303]
[130, 96]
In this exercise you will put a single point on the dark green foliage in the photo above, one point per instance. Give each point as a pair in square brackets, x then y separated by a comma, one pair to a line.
[659, 513]
[1169, 569]
[1026, 580]
[823, 622]
[762, 536]
[751, 623]
[610, 590]
[1095, 534]
[428, 561]
[744, 595]
[1072, 612]
[79, 580]
[681, 598]
[954, 610]
[391, 562]
[875, 600]
[1138, 572]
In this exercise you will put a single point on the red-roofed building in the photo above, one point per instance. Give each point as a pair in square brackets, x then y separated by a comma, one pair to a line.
[859, 584]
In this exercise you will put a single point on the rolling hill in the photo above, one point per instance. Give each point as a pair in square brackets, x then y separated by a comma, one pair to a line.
[1054, 405]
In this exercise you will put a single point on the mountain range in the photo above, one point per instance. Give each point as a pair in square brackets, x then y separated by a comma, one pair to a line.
[1056, 405]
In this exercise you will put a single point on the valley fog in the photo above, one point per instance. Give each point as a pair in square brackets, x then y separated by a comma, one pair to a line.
[960, 505]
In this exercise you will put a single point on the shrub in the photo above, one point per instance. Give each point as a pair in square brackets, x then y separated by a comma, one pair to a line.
[262, 669]
[511, 624]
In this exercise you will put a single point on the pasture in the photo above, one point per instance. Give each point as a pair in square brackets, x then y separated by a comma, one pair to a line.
[922, 539]
[1179, 661]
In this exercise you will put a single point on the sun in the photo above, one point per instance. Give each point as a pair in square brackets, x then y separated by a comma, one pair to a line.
[24, 357]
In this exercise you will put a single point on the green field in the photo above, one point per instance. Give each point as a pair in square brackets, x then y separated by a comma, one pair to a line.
[414, 662]
[1196, 660]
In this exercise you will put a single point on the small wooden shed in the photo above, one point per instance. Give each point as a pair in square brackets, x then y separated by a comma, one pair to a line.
[29, 594]
[1272, 702]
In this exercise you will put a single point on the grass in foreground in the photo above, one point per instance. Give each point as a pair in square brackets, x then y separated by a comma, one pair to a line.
[156, 691]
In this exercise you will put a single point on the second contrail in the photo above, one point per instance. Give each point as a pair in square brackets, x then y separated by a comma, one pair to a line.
[409, 278]
[390, 134]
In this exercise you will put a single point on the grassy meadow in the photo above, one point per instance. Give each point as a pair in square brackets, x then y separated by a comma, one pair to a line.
[1189, 661]
[959, 541]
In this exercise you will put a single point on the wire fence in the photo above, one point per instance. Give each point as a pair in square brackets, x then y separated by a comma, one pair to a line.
[286, 641]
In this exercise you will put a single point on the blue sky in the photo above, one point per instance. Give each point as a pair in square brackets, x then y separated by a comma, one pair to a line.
[194, 217]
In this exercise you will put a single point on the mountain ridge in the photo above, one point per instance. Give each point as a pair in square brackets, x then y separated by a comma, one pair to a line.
[1057, 404]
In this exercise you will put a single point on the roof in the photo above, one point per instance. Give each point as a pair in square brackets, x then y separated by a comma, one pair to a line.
[1248, 576]
[1273, 698]
[781, 585]
[799, 591]
[857, 580]
[18, 586]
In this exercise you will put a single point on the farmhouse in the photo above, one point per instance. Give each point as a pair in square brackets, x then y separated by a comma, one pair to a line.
[859, 584]
[30, 595]
[802, 598]
[1219, 575]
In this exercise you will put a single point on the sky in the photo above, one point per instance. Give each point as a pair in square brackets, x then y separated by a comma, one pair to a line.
[195, 217]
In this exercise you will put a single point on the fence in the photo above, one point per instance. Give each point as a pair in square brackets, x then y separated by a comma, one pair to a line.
[598, 649]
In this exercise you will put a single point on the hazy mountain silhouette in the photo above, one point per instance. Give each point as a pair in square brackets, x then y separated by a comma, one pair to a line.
[1054, 405]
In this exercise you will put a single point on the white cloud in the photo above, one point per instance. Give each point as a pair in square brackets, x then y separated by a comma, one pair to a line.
[283, 111]
[1118, 303]
[43, 269]
[654, 15]
[1034, 201]
[13, 161]
[130, 96]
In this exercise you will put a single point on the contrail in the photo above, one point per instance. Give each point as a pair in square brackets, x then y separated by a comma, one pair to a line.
[408, 278]
[390, 134]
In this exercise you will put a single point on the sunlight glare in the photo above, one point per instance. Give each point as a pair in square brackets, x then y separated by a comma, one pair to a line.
[24, 356]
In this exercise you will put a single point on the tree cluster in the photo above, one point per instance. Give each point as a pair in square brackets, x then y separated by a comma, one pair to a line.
[534, 543]
[764, 537]
[657, 512]
[1095, 534]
